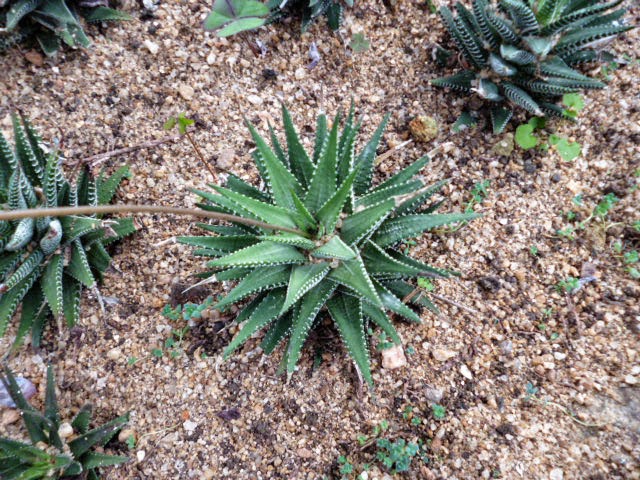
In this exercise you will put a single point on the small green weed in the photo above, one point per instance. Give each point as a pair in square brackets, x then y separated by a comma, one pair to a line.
[439, 412]
[569, 285]
[396, 456]
[359, 43]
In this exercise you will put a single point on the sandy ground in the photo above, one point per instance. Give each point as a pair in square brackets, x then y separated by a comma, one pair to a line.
[197, 417]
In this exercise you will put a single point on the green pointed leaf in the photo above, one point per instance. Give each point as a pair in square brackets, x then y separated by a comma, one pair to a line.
[82, 419]
[71, 289]
[323, 184]
[258, 280]
[381, 319]
[96, 437]
[107, 186]
[346, 312]
[262, 314]
[303, 278]
[366, 158]
[240, 186]
[380, 264]
[281, 181]
[303, 218]
[408, 226]
[36, 434]
[50, 402]
[74, 226]
[393, 303]
[52, 284]
[10, 300]
[261, 254]
[276, 333]
[321, 136]
[79, 267]
[330, 212]
[403, 289]
[362, 223]
[335, 248]
[263, 211]
[376, 196]
[352, 274]
[303, 316]
[290, 239]
[299, 161]
[92, 460]
[218, 246]
[34, 311]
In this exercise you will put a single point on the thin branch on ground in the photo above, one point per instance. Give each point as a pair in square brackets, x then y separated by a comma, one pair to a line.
[107, 209]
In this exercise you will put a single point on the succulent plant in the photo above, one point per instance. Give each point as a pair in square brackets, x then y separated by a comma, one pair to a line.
[310, 10]
[52, 22]
[523, 53]
[229, 17]
[57, 450]
[45, 262]
[343, 260]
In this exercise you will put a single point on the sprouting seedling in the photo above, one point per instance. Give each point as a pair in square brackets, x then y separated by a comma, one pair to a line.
[574, 103]
[567, 149]
[183, 123]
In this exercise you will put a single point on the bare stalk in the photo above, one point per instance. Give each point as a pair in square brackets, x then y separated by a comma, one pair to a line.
[106, 209]
[197, 150]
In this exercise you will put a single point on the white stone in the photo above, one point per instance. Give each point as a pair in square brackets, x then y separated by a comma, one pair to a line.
[556, 474]
[466, 373]
[559, 355]
[630, 380]
[186, 91]
[189, 426]
[300, 73]
[393, 357]
[153, 47]
[140, 454]
[442, 355]
[254, 99]
[114, 354]
[65, 430]
[211, 58]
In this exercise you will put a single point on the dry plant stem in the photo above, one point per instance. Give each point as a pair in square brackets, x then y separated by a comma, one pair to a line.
[102, 157]
[455, 304]
[197, 150]
[106, 209]
[568, 412]
[391, 151]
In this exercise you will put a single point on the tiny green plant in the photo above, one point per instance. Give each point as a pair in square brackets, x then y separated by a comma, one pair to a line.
[439, 412]
[567, 149]
[57, 449]
[396, 456]
[229, 17]
[573, 103]
[46, 262]
[340, 251]
[569, 285]
[52, 23]
[359, 43]
[525, 53]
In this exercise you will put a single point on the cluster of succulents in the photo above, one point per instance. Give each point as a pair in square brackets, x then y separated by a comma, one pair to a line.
[57, 449]
[524, 54]
[45, 262]
[339, 255]
[229, 17]
[52, 22]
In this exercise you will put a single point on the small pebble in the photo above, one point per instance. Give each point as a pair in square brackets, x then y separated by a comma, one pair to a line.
[442, 355]
[186, 91]
[153, 47]
[190, 426]
[140, 454]
[630, 380]
[27, 388]
[9, 417]
[466, 373]
[556, 474]
[254, 99]
[65, 430]
[393, 357]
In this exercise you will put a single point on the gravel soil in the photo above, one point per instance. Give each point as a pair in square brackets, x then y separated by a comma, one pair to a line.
[536, 384]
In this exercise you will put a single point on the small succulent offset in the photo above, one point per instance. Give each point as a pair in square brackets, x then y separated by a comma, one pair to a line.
[337, 252]
[45, 262]
[56, 449]
[311, 10]
[524, 52]
[52, 22]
